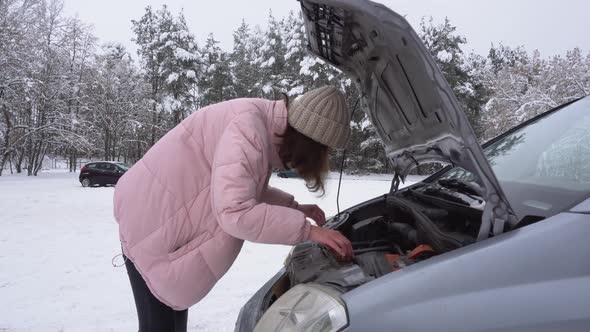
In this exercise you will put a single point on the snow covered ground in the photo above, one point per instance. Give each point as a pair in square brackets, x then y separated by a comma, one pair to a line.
[57, 241]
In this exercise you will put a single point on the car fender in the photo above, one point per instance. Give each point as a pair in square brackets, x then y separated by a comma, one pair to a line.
[536, 278]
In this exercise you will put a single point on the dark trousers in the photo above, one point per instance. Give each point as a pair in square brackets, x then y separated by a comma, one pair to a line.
[153, 315]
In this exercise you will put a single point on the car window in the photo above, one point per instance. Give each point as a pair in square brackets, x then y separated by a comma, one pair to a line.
[123, 166]
[543, 167]
[107, 166]
[568, 159]
[93, 166]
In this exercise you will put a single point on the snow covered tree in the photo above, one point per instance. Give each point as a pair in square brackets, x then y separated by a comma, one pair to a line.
[215, 84]
[48, 83]
[78, 45]
[241, 60]
[51, 67]
[303, 71]
[116, 99]
[255, 44]
[524, 85]
[147, 36]
[569, 77]
[296, 52]
[17, 23]
[60, 95]
[270, 60]
[445, 46]
[170, 60]
[501, 57]
[180, 62]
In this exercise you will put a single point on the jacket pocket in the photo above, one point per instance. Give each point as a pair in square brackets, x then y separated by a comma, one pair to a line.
[190, 246]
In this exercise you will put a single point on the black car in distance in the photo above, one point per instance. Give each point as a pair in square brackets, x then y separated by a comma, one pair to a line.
[102, 173]
[288, 173]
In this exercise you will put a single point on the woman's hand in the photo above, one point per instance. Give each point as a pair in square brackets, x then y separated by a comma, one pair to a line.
[313, 212]
[334, 240]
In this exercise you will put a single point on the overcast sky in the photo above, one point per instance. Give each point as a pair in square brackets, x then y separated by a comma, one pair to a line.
[550, 26]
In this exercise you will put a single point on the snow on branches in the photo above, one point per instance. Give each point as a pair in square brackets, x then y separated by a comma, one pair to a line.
[77, 97]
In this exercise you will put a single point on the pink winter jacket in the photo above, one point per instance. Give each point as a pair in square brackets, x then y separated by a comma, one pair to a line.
[186, 207]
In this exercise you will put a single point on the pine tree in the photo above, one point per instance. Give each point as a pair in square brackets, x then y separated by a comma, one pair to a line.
[180, 60]
[60, 95]
[170, 59]
[241, 59]
[215, 84]
[294, 38]
[271, 61]
[255, 47]
[445, 46]
[573, 73]
[147, 36]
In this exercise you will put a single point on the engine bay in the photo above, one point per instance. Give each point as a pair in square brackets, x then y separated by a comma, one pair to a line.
[387, 234]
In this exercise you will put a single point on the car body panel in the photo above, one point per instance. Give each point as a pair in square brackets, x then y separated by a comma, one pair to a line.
[582, 207]
[103, 173]
[404, 93]
[250, 313]
[531, 279]
[86, 171]
[111, 173]
[91, 171]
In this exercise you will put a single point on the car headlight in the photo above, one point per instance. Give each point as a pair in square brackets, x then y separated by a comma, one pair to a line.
[309, 307]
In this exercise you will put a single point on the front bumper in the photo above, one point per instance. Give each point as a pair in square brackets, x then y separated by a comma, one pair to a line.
[252, 311]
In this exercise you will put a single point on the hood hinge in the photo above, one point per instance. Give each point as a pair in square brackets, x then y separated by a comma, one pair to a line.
[496, 215]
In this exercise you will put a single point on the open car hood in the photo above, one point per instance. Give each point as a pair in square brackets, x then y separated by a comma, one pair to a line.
[404, 93]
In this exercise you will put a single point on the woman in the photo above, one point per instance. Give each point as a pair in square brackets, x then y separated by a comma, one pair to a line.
[186, 207]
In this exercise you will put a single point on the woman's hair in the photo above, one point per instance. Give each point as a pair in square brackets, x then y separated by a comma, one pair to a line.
[305, 155]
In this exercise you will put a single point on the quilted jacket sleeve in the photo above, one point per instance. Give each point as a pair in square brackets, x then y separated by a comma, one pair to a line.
[236, 172]
[276, 196]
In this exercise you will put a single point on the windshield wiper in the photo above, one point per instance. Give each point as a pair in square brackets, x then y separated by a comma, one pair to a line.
[466, 187]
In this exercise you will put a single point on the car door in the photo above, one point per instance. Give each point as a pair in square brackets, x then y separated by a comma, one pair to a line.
[89, 171]
[110, 173]
[99, 175]
[117, 175]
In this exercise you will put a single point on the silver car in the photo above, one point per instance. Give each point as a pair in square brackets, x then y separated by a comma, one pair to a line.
[497, 241]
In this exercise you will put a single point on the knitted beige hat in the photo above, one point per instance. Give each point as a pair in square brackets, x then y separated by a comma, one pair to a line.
[322, 115]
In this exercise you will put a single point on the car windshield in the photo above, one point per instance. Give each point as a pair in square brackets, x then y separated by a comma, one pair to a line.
[543, 167]
[125, 167]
